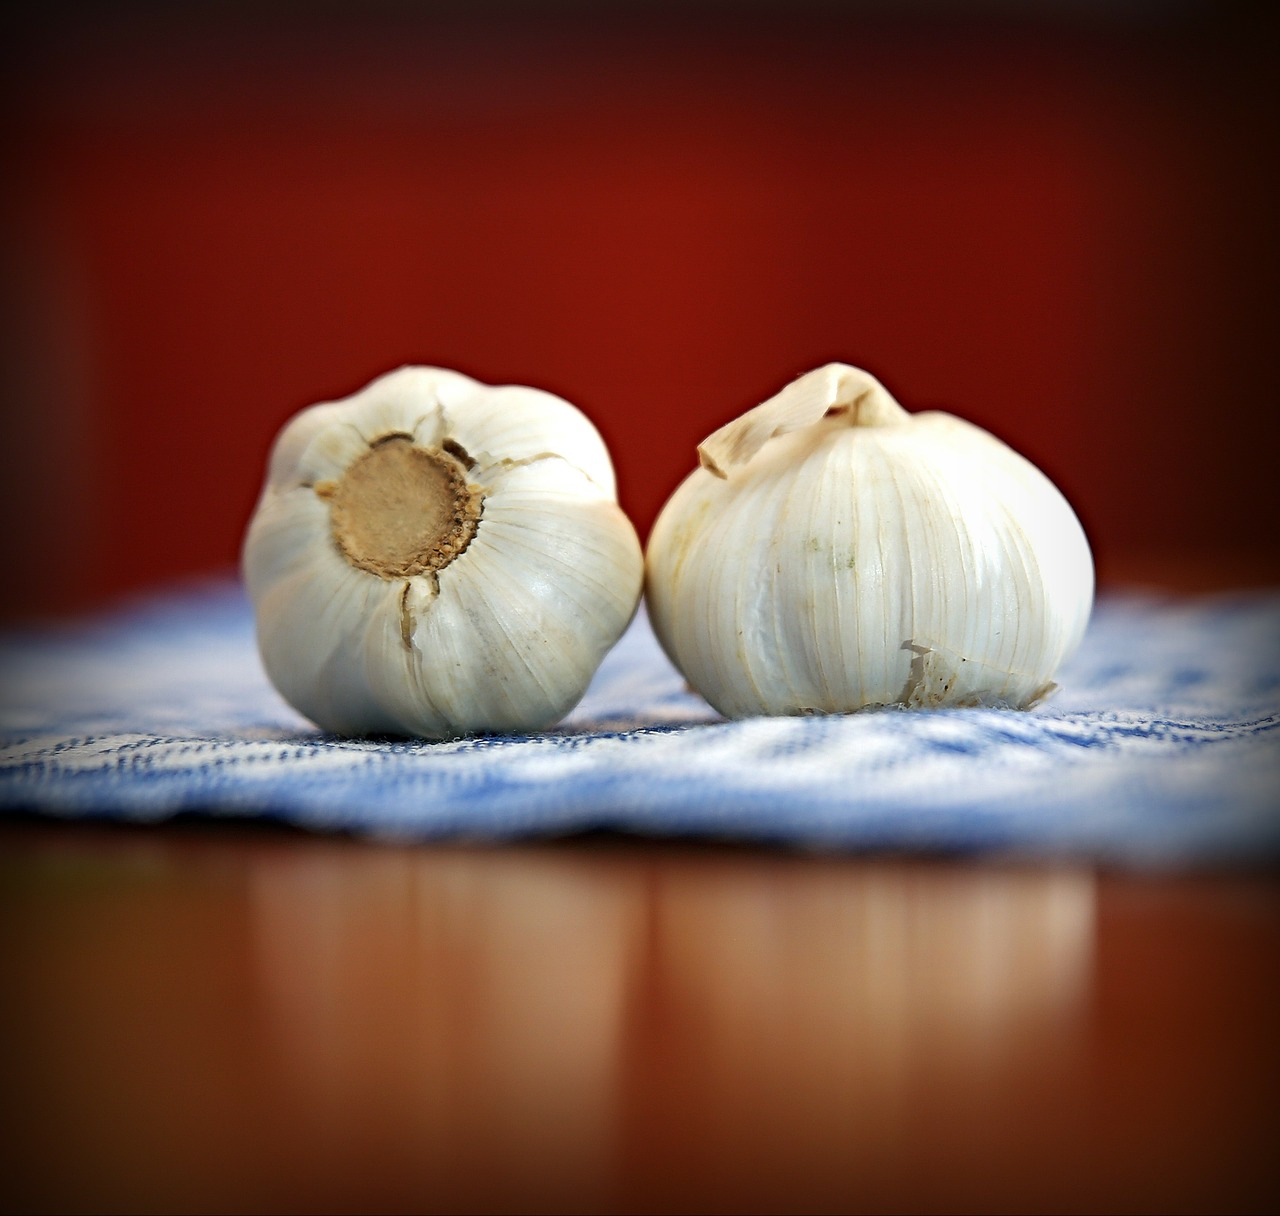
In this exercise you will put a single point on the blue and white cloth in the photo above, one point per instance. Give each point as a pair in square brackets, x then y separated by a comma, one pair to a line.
[1162, 747]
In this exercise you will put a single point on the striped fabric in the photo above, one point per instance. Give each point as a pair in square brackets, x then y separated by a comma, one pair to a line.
[1162, 748]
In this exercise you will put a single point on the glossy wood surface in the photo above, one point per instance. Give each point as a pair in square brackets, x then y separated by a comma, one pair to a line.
[228, 1018]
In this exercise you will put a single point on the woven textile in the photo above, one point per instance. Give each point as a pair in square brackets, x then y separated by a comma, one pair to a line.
[1163, 746]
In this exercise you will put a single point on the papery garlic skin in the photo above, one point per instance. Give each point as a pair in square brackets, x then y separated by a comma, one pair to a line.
[835, 552]
[433, 556]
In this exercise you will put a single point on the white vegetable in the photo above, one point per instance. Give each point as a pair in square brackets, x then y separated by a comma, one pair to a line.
[835, 552]
[434, 556]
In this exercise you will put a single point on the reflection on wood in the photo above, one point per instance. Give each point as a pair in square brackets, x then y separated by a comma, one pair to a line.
[840, 1033]
[451, 1016]
[222, 1020]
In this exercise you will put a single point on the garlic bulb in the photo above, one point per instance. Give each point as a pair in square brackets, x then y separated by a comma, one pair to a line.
[434, 556]
[836, 552]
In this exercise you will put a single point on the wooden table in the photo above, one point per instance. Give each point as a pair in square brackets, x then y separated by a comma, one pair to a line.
[199, 1017]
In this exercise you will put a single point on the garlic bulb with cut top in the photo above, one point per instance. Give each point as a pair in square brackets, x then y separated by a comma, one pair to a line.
[434, 556]
[835, 552]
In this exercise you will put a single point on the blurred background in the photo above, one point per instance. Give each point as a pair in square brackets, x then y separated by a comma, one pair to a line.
[1056, 219]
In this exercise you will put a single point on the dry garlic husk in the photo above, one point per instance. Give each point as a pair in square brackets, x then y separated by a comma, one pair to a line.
[434, 556]
[835, 552]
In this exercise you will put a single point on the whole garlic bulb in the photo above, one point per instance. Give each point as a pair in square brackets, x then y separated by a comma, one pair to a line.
[835, 552]
[434, 556]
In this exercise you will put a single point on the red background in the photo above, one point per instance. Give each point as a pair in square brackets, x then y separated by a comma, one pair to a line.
[1062, 229]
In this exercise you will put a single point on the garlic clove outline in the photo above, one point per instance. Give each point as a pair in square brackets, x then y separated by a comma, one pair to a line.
[835, 552]
[434, 556]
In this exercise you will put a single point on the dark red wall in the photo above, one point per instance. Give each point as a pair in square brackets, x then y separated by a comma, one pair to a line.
[1065, 232]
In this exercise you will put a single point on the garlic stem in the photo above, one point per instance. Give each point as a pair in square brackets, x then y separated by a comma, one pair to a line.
[835, 387]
